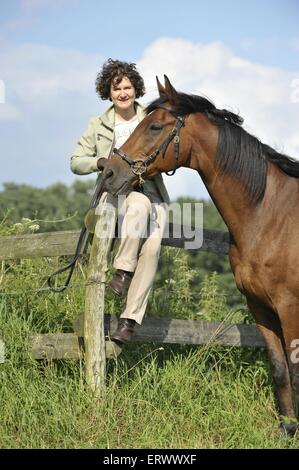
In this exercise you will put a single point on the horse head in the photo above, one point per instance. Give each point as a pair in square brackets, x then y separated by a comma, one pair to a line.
[156, 145]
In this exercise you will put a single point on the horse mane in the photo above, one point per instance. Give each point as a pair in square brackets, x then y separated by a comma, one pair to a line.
[238, 153]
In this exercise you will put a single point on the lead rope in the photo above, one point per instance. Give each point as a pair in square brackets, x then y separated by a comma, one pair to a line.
[83, 240]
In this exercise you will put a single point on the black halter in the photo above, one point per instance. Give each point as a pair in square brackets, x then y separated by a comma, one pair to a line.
[139, 167]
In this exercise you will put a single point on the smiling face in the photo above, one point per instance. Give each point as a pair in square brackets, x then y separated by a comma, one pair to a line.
[122, 95]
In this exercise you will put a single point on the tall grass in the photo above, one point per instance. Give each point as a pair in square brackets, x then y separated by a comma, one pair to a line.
[172, 398]
[156, 397]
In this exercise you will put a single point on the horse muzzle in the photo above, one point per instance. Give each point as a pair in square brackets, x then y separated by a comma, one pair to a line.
[117, 183]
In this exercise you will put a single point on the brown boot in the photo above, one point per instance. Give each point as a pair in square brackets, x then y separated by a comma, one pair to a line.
[124, 331]
[121, 281]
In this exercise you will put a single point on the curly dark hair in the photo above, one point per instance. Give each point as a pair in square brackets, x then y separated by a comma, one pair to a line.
[115, 69]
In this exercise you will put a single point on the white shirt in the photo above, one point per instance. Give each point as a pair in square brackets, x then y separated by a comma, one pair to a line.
[123, 130]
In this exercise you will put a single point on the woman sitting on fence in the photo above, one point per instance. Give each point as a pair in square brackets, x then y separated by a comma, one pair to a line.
[137, 257]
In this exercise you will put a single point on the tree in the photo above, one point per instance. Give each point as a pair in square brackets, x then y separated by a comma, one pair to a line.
[57, 207]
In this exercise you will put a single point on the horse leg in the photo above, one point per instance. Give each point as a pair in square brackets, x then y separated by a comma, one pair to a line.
[269, 325]
[290, 328]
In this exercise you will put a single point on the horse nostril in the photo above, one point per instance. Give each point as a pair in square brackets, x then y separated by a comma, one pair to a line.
[108, 173]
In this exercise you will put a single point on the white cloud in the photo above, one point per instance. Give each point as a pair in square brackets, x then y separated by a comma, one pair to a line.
[8, 112]
[50, 95]
[293, 143]
[261, 94]
[38, 72]
[49, 98]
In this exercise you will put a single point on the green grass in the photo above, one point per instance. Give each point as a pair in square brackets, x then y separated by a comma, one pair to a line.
[180, 397]
[171, 398]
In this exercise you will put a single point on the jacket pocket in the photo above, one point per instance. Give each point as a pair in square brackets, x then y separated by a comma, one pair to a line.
[104, 145]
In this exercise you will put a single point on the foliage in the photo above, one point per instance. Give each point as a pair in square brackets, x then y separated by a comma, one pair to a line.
[57, 207]
[173, 296]
[19, 228]
[212, 302]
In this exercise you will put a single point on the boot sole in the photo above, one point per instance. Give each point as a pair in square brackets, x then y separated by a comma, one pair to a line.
[119, 339]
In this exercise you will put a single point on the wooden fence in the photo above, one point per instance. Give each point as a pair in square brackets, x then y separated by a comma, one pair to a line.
[91, 330]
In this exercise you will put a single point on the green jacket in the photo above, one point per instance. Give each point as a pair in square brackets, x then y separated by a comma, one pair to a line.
[97, 142]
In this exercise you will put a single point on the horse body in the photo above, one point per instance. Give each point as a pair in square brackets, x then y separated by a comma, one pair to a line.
[259, 203]
[264, 256]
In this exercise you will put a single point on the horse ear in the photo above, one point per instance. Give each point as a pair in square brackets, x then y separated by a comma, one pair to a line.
[161, 88]
[170, 91]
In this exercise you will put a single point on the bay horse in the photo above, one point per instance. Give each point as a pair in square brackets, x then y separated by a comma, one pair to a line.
[256, 191]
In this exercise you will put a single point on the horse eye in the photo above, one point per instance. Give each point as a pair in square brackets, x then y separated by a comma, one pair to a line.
[155, 127]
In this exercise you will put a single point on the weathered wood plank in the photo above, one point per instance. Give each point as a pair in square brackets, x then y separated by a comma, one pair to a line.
[39, 244]
[94, 337]
[198, 332]
[64, 346]
[160, 330]
[56, 346]
[64, 243]
[177, 331]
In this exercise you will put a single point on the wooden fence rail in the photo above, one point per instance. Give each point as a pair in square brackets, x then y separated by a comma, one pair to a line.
[64, 243]
[158, 330]
[96, 347]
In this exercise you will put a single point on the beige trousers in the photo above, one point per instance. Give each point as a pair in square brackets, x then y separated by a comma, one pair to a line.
[141, 225]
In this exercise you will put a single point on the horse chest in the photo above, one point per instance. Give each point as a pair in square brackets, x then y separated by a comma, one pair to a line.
[248, 276]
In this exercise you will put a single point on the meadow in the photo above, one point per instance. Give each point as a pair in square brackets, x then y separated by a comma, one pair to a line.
[157, 396]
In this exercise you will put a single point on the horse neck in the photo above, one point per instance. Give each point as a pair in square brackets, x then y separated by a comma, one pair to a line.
[232, 203]
[227, 192]
[277, 203]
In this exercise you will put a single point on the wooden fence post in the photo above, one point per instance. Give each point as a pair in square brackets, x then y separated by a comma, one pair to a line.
[94, 336]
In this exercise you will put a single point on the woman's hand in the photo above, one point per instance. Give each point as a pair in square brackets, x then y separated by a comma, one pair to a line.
[101, 163]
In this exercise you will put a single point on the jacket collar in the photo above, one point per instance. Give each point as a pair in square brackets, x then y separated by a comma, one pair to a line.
[108, 117]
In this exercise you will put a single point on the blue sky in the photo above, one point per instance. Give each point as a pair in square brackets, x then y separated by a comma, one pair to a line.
[125, 28]
[47, 44]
